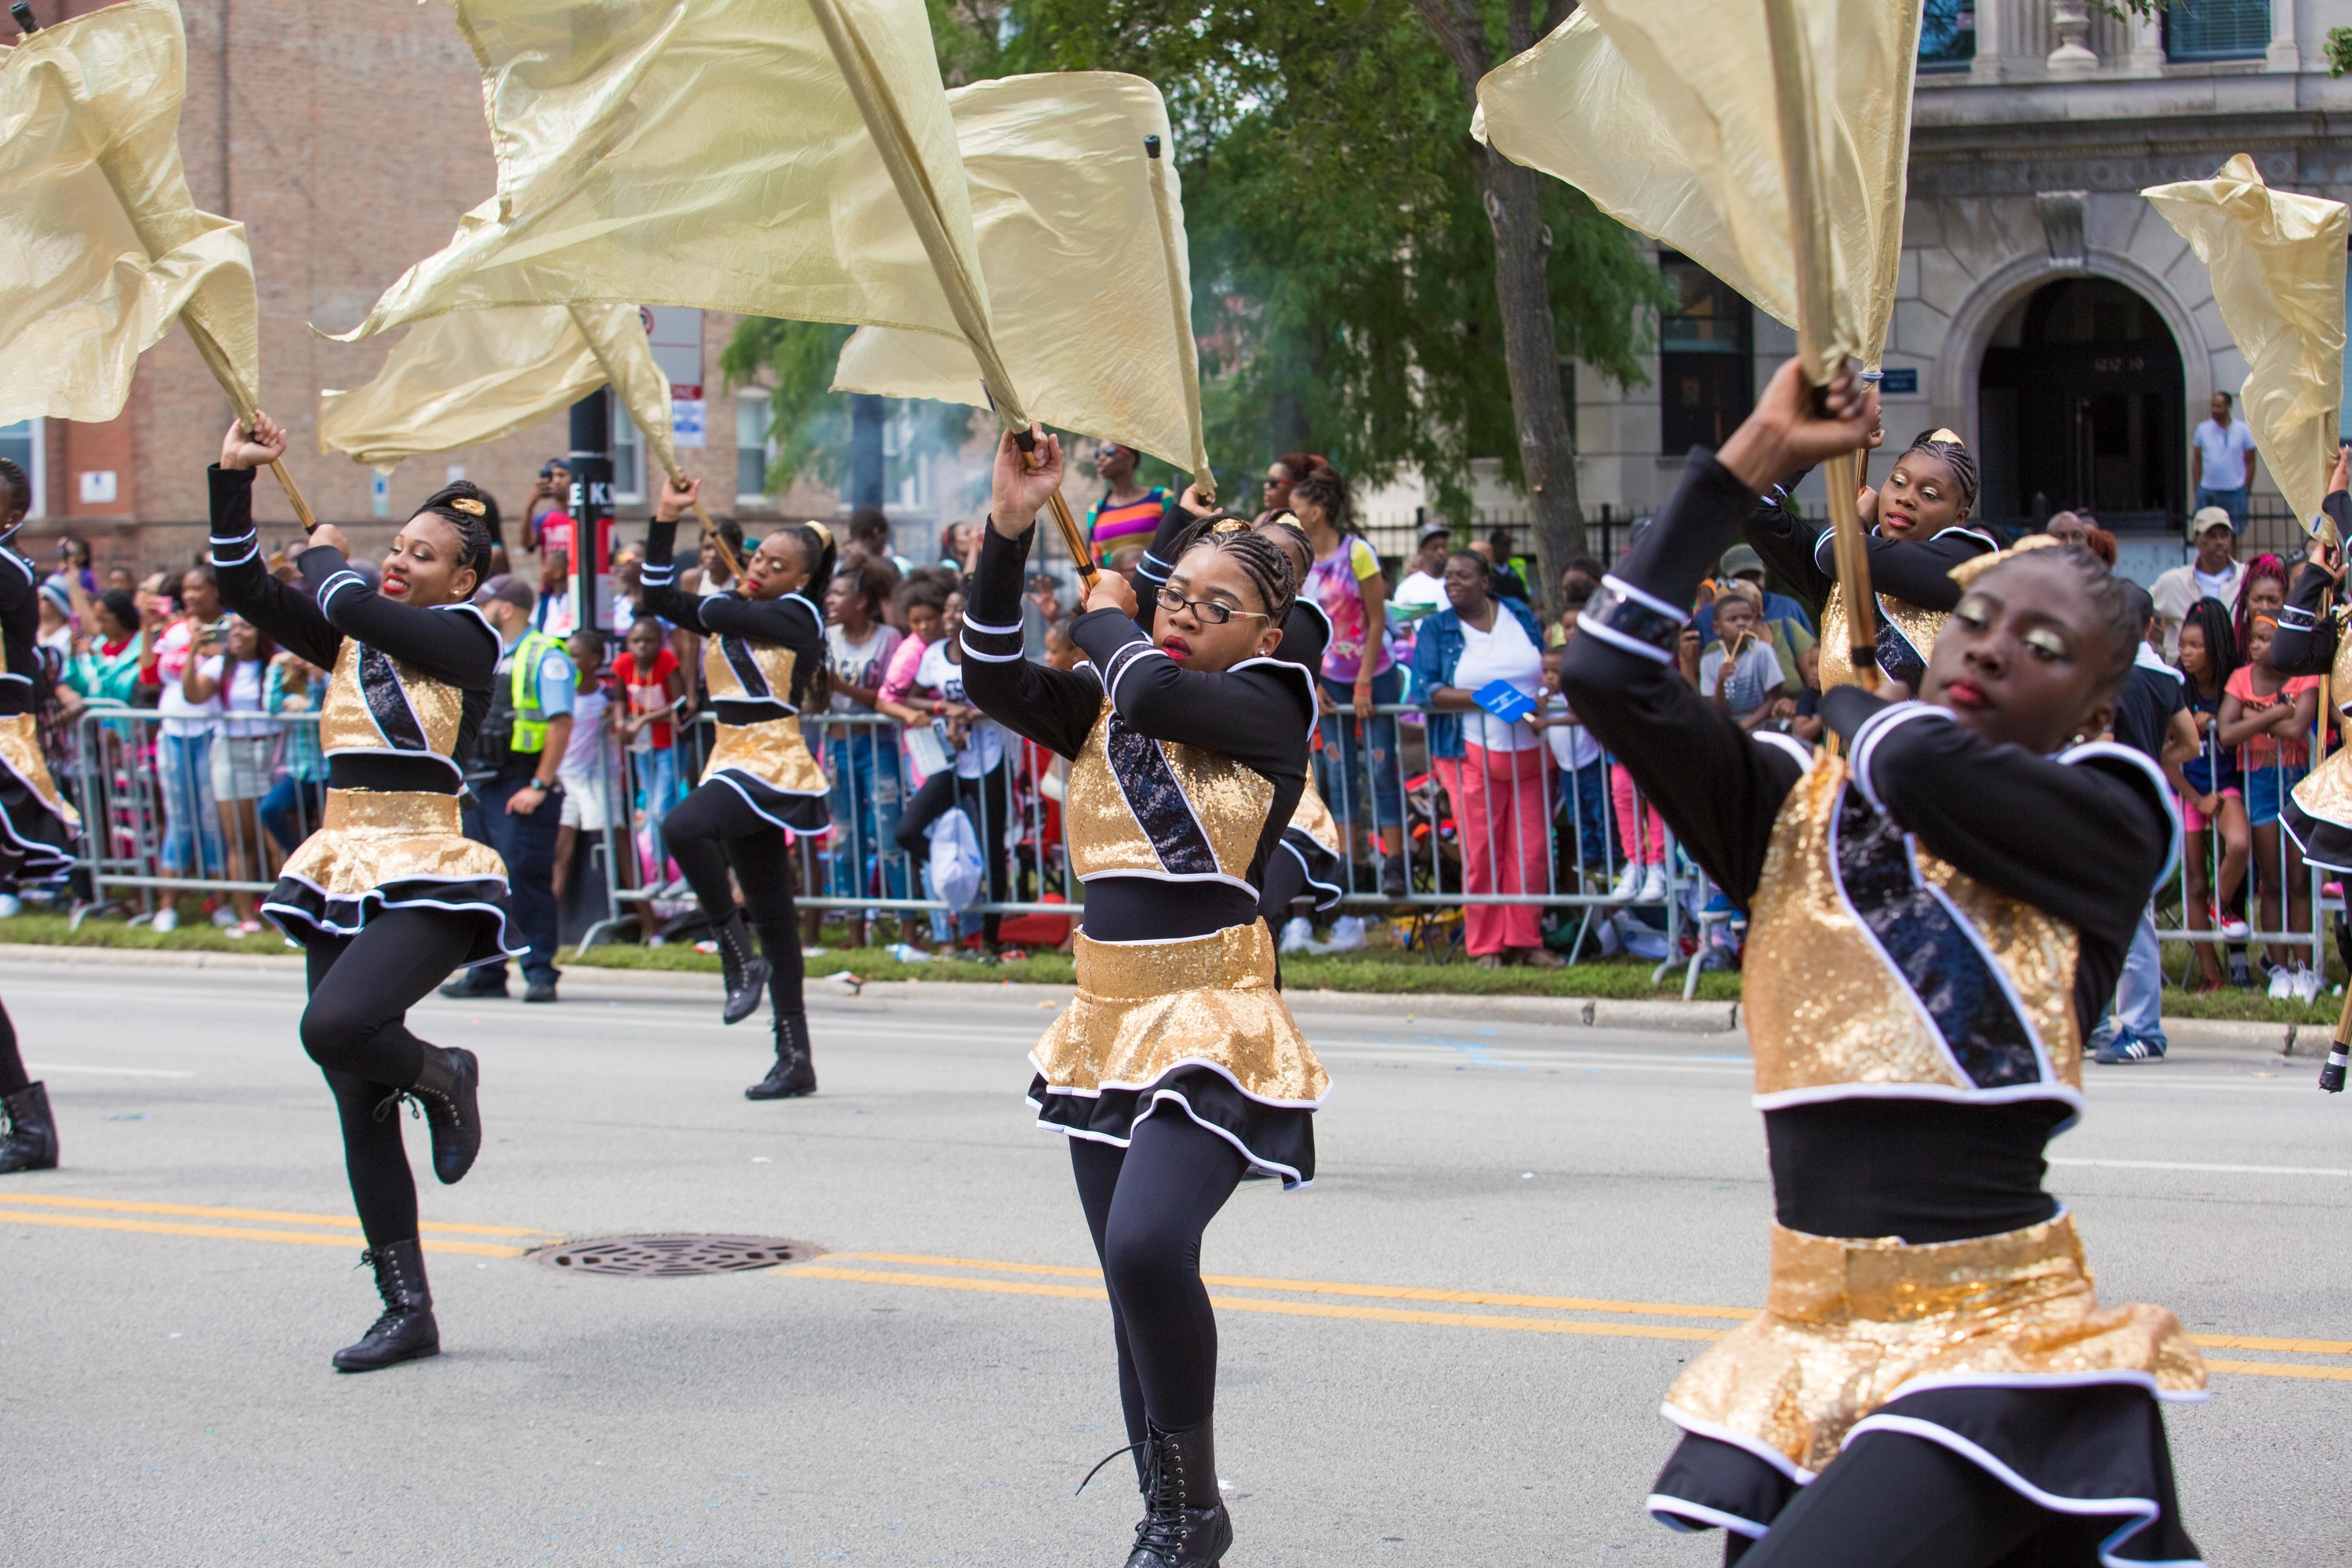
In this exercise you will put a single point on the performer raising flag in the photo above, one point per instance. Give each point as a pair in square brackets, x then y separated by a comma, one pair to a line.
[1177, 1070]
[1932, 1380]
[388, 896]
[763, 643]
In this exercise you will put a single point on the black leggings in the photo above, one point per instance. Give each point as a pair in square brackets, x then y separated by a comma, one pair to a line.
[1147, 1205]
[1894, 1500]
[12, 1065]
[988, 802]
[714, 827]
[355, 1027]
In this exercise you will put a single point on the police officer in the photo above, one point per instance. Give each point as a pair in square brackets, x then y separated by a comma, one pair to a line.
[518, 803]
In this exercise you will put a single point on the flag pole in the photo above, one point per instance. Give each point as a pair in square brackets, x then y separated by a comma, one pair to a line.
[1189, 365]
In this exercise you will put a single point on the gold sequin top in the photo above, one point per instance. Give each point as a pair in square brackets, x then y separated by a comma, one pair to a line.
[1161, 810]
[1875, 969]
[377, 706]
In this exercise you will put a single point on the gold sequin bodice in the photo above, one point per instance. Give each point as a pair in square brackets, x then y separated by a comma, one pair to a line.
[1988, 1012]
[722, 656]
[1137, 806]
[1919, 627]
[375, 704]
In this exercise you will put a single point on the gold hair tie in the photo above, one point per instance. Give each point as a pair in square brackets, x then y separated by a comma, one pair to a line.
[823, 533]
[1946, 436]
[1227, 525]
[1976, 566]
[470, 507]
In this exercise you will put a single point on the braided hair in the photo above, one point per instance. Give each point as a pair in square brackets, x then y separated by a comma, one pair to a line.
[2113, 608]
[18, 487]
[1325, 489]
[473, 512]
[1266, 564]
[1283, 529]
[1948, 449]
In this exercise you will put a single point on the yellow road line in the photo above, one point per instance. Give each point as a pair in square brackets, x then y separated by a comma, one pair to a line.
[116, 1206]
[1378, 1292]
[237, 1233]
[2253, 1342]
[2281, 1369]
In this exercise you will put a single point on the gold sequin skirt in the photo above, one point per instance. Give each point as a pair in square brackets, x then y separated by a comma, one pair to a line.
[380, 849]
[770, 766]
[1848, 1325]
[2318, 814]
[38, 828]
[1195, 1023]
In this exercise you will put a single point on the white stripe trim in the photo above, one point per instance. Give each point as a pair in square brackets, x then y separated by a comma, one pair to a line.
[1124, 660]
[971, 652]
[1643, 596]
[1699, 1426]
[1618, 639]
[721, 777]
[1314, 709]
[1822, 1094]
[971, 625]
[2111, 1377]
[337, 583]
[1867, 736]
[1661, 1503]
[2090, 748]
[1781, 741]
[1986, 540]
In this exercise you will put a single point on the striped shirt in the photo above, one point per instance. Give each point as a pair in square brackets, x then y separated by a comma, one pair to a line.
[1113, 528]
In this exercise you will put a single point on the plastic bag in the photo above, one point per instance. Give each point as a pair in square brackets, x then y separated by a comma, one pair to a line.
[956, 871]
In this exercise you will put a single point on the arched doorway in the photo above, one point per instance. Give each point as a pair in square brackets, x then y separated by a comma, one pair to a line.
[2079, 405]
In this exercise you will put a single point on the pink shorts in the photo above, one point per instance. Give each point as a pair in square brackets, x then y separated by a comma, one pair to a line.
[2195, 821]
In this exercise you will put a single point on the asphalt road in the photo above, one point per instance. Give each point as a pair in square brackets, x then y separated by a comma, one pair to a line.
[931, 1389]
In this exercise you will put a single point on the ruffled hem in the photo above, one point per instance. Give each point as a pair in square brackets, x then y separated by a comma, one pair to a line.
[807, 814]
[35, 843]
[304, 910]
[2324, 844]
[2092, 1451]
[1322, 867]
[1276, 1140]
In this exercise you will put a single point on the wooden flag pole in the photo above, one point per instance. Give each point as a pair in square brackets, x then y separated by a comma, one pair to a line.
[1203, 481]
[1027, 441]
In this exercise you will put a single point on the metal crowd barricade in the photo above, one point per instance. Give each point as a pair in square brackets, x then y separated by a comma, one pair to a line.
[179, 804]
[2192, 905]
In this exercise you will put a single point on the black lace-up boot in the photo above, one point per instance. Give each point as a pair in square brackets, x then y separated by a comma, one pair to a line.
[28, 1134]
[795, 1073]
[1185, 1524]
[747, 972]
[445, 1086]
[406, 1329]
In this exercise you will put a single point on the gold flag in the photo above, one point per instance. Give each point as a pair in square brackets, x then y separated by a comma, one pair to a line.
[616, 336]
[463, 379]
[102, 245]
[1088, 289]
[746, 155]
[2277, 261]
[1668, 118]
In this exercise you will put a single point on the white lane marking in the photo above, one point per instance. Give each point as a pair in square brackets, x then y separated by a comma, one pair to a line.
[2193, 1166]
[111, 1072]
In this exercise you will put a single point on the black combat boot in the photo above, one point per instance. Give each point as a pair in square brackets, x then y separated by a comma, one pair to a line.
[447, 1086]
[406, 1329]
[795, 1073]
[747, 972]
[29, 1141]
[1185, 1524]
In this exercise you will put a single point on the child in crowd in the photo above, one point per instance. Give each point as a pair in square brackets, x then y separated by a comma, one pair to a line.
[1739, 673]
[862, 759]
[2268, 717]
[2212, 801]
[1583, 773]
[588, 766]
[653, 691]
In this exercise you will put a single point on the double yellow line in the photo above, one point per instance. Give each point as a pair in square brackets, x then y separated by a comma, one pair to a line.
[1598, 1315]
[101, 1214]
[1024, 1283]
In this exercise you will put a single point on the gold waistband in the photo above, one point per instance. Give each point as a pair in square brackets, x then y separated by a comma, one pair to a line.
[1238, 958]
[389, 811]
[773, 751]
[1832, 1279]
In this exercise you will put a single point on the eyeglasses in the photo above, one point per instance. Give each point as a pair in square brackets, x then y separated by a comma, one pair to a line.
[1208, 610]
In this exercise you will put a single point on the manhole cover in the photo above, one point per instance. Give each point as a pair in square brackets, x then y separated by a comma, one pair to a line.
[670, 1257]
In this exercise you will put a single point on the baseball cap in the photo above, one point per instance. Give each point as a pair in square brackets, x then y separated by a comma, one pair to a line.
[511, 588]
[1433, 530]
[1741, 558]
[2211, 516]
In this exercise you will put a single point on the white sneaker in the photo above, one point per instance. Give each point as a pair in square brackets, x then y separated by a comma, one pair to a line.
[1346, 934]
[225, 916]
[1298, 934]
[10, 906]
[2306, 984]
[167, 918]
[1653, 883]
[2282, 982]
[1628, 884]
[2231, 928]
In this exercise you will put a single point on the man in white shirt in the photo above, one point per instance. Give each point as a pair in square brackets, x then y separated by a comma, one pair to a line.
[1425, 584]
[2213, 573]
[2222, 462]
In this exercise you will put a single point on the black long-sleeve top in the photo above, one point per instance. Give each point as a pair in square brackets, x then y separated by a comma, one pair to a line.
[2084, 842]
[1917, 571]
[2306, 641]
[788, 621]
[20, 632]
[1260, 714]
[451, 643]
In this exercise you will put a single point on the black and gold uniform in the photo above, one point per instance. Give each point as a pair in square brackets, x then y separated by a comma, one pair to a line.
[1177, 1069]
[1930, 946]
[760, 786]
[37, 829]
[2311, 641]
[1909, 577]
[388, 896]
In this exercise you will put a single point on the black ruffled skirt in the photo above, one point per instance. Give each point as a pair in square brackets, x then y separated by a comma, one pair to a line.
[35, 843]
[2094, 1454]
[1276, 1140]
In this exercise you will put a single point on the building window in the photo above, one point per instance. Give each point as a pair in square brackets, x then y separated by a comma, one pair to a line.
[628, 459]
[1706, 363]
[1947, 34]
[752, 415]
[21, 444]
[2217, 29]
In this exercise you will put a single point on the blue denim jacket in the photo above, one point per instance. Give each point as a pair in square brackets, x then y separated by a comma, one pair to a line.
[1437, 647]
